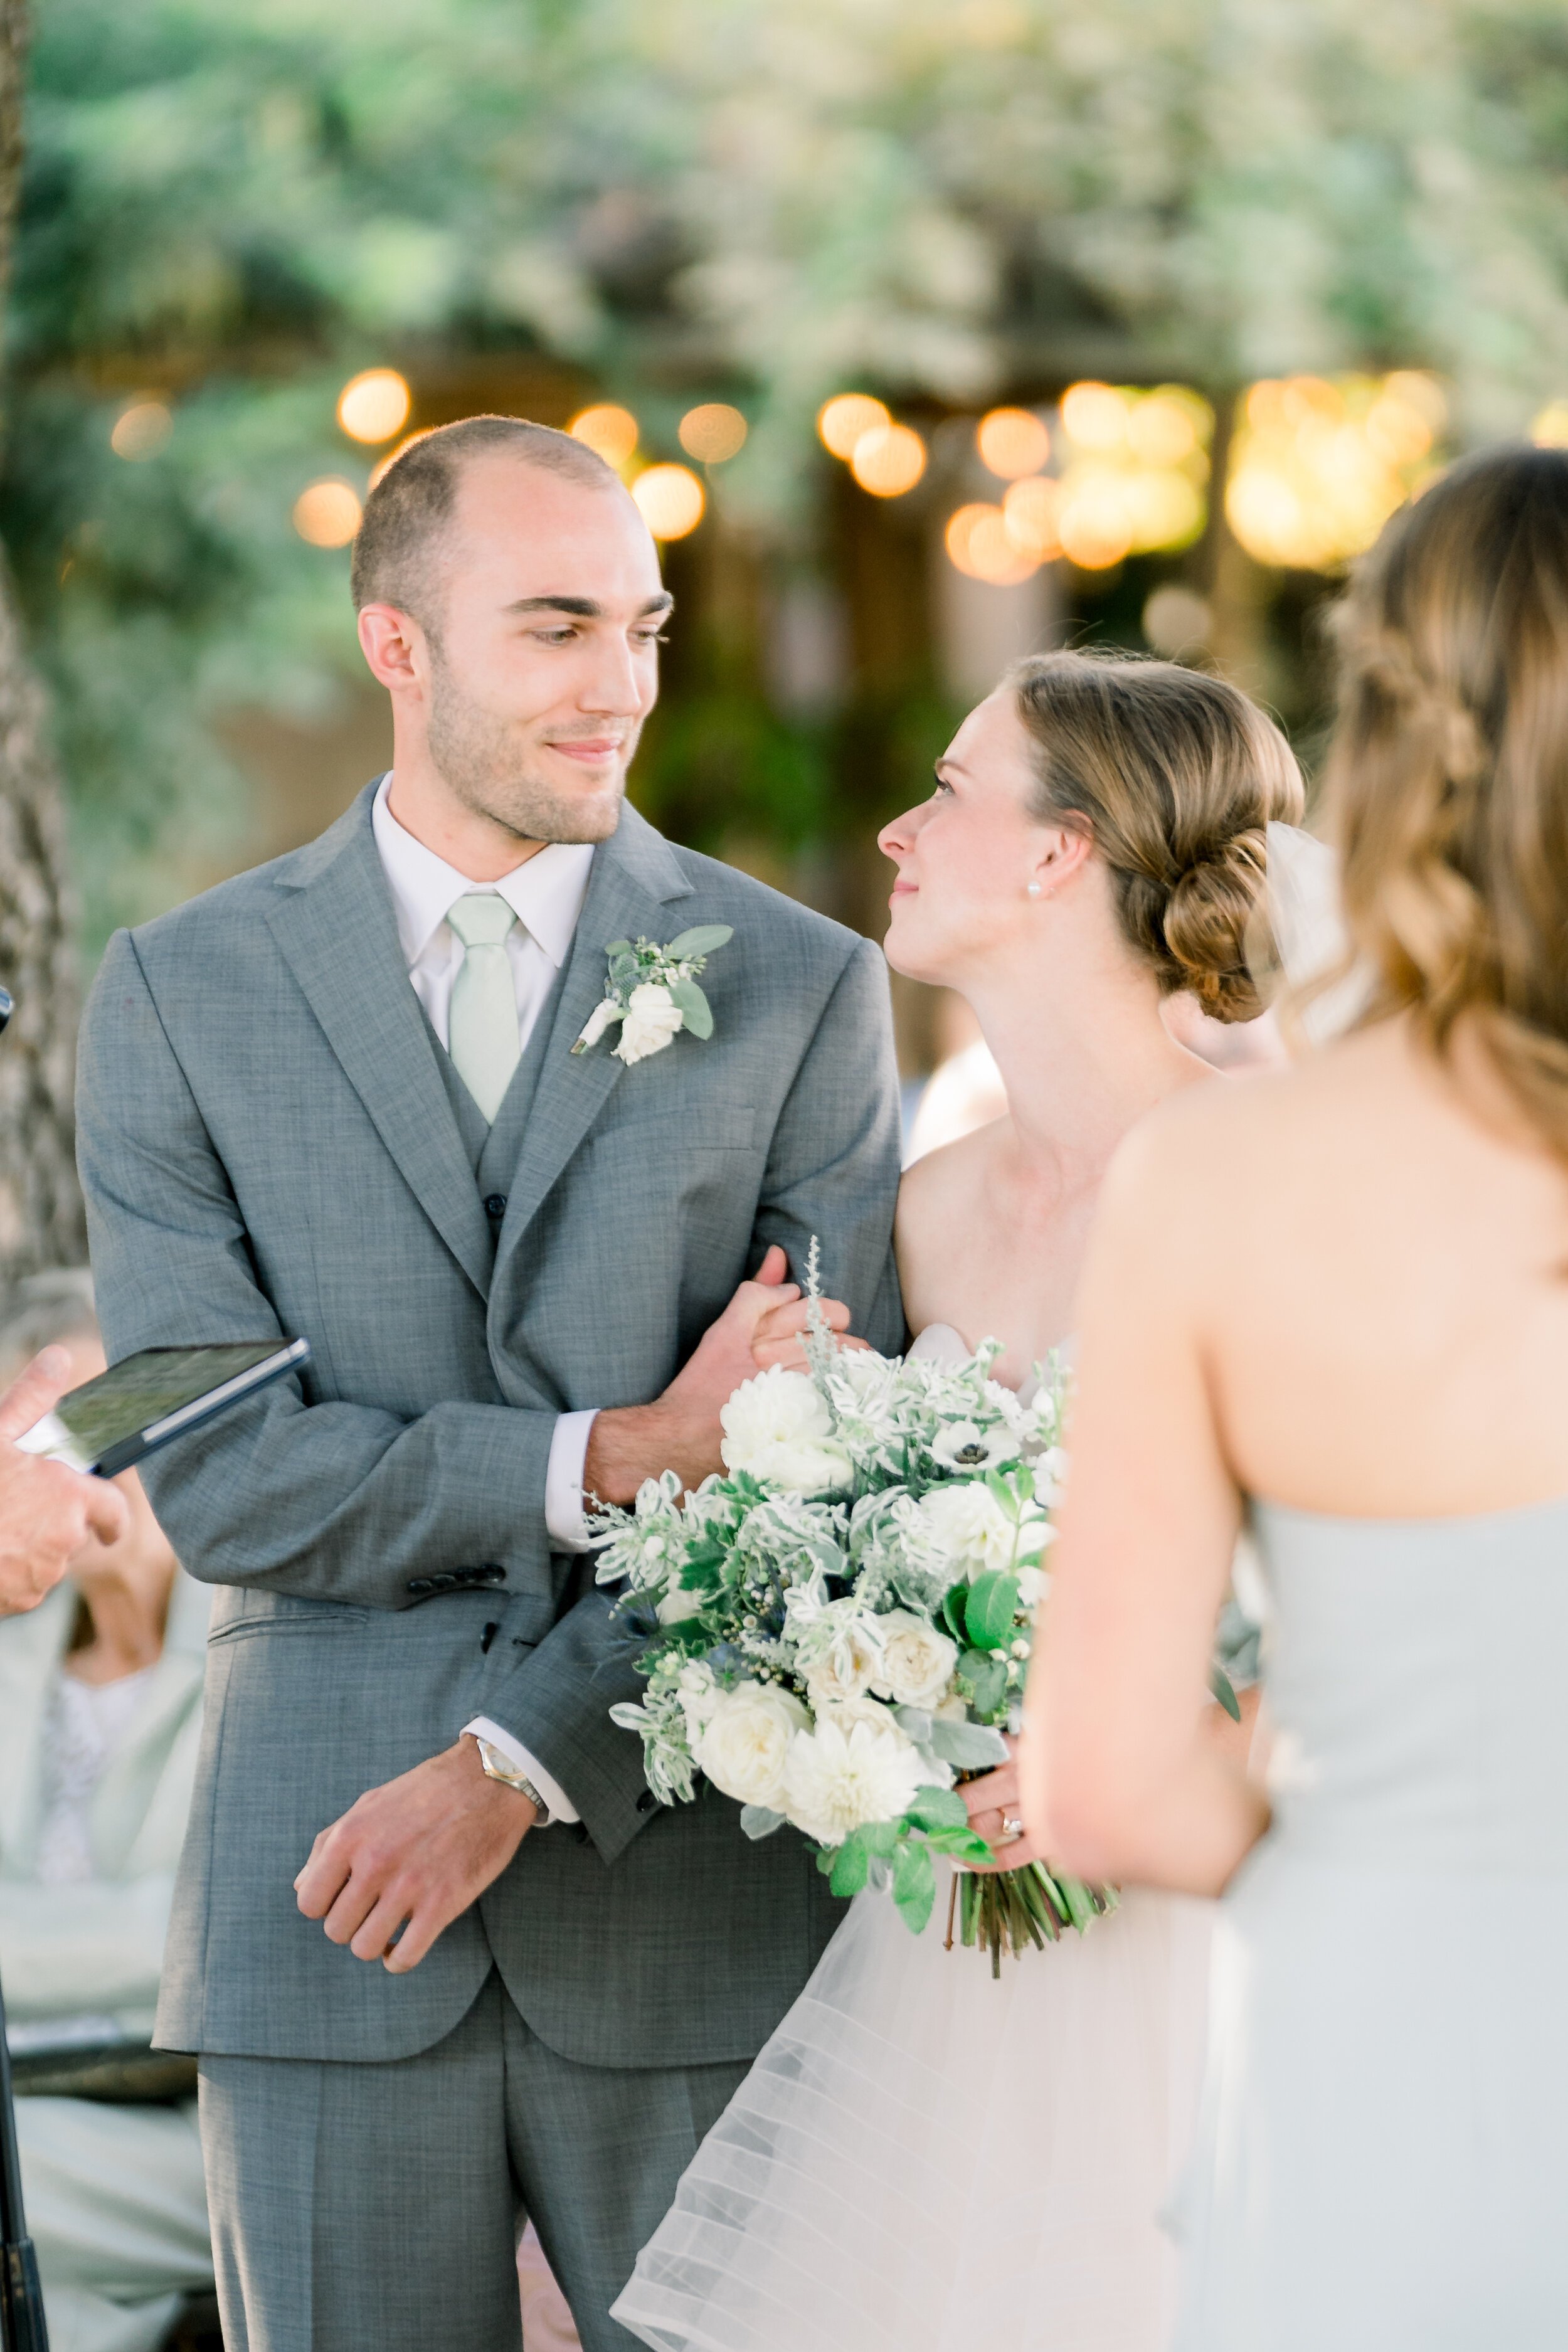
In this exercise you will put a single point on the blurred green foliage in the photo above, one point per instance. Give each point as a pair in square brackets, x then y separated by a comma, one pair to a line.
[233, 204]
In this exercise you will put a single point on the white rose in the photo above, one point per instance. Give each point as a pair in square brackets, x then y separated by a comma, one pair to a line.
[743, 1746]
[678, 1605]
[847, 1712]
[777, 1428]
[917, 1661]
[652, 1019]
[837, 1777]
[844, 1665]
[968, 1524]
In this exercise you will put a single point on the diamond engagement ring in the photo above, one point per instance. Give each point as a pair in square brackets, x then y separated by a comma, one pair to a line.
[1012, 1827]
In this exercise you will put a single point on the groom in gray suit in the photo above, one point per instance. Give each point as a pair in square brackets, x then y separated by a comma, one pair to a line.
[337, 1096]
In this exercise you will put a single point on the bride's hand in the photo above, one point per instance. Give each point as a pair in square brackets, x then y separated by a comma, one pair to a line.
[779, 1336]
[993, 1804]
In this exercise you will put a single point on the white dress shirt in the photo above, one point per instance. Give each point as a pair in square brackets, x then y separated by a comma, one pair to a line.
[546, 895]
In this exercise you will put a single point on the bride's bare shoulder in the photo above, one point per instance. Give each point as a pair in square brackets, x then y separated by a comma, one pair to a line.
[938, 1178]
[940, 1186]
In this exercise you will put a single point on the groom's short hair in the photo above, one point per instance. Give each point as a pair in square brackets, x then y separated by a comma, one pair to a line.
[410, 507]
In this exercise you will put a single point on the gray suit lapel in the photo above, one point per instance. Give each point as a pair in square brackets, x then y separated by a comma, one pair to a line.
[333, 923]
[634, 875]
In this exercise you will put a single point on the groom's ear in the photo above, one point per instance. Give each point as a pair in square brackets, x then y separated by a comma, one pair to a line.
[393, 644]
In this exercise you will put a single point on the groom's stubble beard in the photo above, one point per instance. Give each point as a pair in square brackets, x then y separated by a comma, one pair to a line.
[478, 757]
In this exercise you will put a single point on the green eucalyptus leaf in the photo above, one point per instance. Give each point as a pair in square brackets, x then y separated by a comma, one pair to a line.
[993, 1605]
[937, 1809]
[971, 1747]
[1220, 1683]
[847, 1873]
[702, 939]
[986, 1674]
[914, 1884]
[694, 1006]
[619, 948]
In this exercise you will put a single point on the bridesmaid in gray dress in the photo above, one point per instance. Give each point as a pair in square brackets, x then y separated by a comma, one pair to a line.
[1338, 1297]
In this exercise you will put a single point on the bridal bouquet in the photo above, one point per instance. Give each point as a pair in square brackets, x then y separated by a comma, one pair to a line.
[838, 1627]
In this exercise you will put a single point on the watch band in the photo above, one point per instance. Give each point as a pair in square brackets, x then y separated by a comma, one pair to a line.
[500, 1768]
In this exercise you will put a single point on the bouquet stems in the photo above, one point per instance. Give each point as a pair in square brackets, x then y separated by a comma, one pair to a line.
[1006, 1910]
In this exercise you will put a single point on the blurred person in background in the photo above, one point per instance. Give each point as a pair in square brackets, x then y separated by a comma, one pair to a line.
[1094, 846]
[48, 1514]
[1335, 1300]
[100, 1691]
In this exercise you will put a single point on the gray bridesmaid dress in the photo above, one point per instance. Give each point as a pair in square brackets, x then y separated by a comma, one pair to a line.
[1383, 2160]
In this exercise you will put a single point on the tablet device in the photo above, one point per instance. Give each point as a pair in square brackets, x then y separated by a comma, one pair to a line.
[111, 1423]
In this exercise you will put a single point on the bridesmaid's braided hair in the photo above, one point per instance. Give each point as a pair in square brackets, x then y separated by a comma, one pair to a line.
[1173, 775]
[1447, 781]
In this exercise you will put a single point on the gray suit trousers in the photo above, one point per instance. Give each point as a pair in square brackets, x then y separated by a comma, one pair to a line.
[375, 2207]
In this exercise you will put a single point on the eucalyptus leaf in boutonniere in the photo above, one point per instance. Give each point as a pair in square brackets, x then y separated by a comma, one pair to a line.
[652, 992]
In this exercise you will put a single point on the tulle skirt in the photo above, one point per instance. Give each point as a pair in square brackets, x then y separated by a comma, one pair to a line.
[925, 2160]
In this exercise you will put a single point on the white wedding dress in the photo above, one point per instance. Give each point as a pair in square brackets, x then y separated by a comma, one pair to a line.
[925, 2160]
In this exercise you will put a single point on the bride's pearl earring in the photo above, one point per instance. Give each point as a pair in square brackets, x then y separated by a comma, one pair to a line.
[1034, 890]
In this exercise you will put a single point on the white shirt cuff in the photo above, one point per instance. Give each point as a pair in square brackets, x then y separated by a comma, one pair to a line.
[563, 1516]
[562, 1809]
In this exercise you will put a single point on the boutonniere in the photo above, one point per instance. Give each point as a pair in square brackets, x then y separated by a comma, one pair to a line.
[652, 992]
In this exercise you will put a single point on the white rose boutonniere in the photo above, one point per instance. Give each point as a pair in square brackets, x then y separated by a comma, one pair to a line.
[652, 992]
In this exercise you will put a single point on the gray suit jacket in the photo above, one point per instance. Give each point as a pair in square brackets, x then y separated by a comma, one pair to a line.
[269, 1142]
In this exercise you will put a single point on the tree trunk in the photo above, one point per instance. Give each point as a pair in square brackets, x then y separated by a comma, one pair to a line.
[40, 1206]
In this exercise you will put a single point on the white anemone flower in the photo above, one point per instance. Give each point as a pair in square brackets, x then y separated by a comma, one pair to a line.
[964, 1446]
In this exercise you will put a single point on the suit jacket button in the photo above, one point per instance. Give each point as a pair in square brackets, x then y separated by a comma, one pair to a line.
[495, 1205]
[420, 1584]
[647, 1802]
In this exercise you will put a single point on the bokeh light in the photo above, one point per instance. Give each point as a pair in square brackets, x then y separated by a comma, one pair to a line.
[671, 500]
[1012, 442]
[1550, 430]
[1094, 416]
[1318, 466]
[328, 512]
[141, 430]
[888, 460]
[374, 405]
[978, 541]
[610, 432]
[712, 432]
[1177, 620]
[845, 419]
[1136, 473]
[1031, 512]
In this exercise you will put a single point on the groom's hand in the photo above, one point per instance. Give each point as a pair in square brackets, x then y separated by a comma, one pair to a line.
[413, 1854]
[680, 1431]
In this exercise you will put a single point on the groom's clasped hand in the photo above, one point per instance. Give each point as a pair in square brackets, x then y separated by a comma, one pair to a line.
[409, 1857]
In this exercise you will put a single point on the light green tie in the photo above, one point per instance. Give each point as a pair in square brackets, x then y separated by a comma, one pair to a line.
[482, 1037]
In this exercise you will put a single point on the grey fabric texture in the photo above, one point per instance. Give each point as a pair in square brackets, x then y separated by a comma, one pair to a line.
[268, 1144]
[377, 2208]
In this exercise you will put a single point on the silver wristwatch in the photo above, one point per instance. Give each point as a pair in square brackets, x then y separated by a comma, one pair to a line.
[501, 1767]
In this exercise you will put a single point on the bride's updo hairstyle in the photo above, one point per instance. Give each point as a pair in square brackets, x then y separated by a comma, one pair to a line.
[1174, 776]
[1448, 776]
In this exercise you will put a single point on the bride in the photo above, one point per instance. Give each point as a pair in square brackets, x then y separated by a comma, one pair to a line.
[922, 2158]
